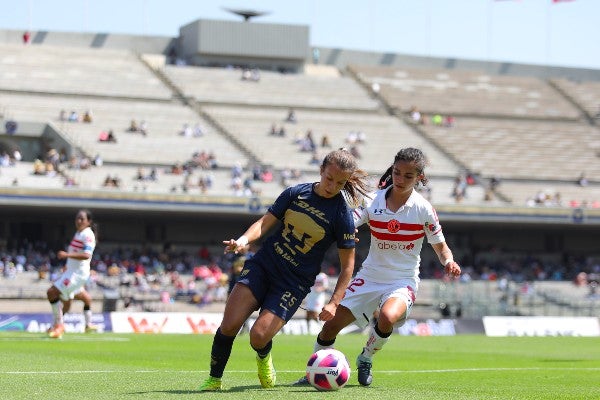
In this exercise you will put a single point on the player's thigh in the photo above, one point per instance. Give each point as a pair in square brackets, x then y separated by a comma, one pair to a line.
[240, 305]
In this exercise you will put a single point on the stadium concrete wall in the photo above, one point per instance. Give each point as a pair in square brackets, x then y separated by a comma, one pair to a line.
[337, 57]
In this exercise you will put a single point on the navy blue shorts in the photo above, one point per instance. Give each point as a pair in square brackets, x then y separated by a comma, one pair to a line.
[282, 296]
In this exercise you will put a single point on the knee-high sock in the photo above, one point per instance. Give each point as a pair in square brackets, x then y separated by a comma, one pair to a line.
[221, 350]
[375, 342]
[57, 313]
[87, 314]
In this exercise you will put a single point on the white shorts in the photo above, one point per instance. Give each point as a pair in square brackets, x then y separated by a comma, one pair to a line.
[363, 298]
[315, 301]
[70, 283]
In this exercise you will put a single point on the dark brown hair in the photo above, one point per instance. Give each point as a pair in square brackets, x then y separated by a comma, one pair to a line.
[409, 154]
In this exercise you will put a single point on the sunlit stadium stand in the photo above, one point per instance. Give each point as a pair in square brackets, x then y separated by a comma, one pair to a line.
[77, 71]
[163, 144]
[585, 93]
[466, 93]
[526, 149]
[223, 85]
[251, 126]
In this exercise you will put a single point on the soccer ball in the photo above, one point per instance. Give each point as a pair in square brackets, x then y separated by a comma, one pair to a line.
[328, 369]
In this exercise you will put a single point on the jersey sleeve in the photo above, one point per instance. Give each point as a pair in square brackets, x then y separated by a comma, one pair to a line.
[431, 225]
[361, 213]
[89, 242]
[344, 228]
[282, 202]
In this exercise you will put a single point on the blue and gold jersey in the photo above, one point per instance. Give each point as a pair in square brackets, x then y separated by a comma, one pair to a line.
[310, 224]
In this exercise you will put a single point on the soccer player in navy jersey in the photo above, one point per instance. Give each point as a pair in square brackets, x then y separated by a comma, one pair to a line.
[399, 219]
[310, 217]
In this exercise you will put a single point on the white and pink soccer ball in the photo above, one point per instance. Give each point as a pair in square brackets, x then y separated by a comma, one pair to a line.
[328, 369]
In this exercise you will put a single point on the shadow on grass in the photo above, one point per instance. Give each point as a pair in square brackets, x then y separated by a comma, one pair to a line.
[239, 389]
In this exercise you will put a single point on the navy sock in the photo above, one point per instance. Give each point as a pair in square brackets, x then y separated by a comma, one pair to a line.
[221, 350]
[262, 353]
[325, 343]
[381, 334]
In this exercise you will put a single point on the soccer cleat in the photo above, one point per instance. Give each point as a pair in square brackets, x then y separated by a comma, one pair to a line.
[301, 382]
[363, 368]
[91, 328]
[57, 331]
[266, 372]
[211, 385]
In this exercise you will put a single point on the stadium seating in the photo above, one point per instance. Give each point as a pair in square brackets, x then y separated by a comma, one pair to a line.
[500, 120]
[466, 93]
[225, 86]
[77, 71]
[585, 94]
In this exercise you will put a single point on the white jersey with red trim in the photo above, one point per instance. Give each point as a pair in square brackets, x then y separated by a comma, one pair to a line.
[397, 237]
[82, 242]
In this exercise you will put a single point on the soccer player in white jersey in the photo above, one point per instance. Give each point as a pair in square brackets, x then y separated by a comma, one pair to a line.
[317, 297]
[77, 272]
[399, 219]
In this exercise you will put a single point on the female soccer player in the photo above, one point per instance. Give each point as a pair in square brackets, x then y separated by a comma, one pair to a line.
[399, 219]
[77, 272]
[278, 277]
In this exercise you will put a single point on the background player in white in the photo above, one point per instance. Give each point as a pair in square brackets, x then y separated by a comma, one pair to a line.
[77, 272]
[316, 298]
[399, 219]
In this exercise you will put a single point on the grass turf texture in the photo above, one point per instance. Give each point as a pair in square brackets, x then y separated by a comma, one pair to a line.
[112, 366]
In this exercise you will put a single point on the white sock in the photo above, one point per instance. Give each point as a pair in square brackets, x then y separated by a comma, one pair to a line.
[57, 312]
[318, 347]
[374, 344]
[87, 314]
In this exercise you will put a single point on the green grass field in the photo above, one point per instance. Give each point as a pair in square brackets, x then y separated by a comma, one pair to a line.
[113, 366]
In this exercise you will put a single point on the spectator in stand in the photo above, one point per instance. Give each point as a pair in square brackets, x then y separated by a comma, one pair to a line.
[308, 144]
[325, 142]
[143, 129]
[582, 180]
[87, 116]
[11, 127]
[355, 152]
[291, 116]
[449, 121]
[415, 114]
[133, 126]
[26, 37]
[198, 131]
[186, 131]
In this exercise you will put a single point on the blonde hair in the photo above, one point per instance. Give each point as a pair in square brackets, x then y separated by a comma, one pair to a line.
[357, 186]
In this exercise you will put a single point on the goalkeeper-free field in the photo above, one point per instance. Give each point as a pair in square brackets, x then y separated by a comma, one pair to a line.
[118, 366]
